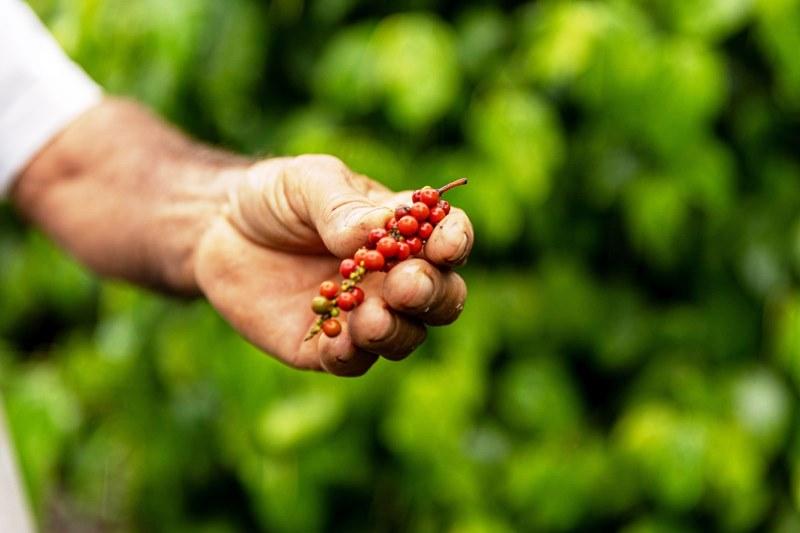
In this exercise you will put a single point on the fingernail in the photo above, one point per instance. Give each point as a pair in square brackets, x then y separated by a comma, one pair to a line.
[461, 252]
[420, 291]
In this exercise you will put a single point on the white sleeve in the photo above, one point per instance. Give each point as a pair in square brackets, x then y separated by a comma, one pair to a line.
[41, 89]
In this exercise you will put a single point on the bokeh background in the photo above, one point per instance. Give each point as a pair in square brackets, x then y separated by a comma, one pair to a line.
[629, 357]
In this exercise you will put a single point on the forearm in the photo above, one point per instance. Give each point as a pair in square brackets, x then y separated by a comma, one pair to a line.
[127, 195]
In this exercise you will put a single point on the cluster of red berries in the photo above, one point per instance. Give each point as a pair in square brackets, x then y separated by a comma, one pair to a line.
[403, 236]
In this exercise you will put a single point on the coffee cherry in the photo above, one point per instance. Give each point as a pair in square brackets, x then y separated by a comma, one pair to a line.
[390, 264]
[359, 256]
[321, 305]
[414, 245]
[437, 214]
[374, 260]
[419, 211]
[415, 196]
[391, 224]
[400, 211]
[429, 196]
[375, 235]
[347, 267]
[387, 247]
[331, 327]
[358, 294]
[328, 289]
[403, 251]
[445, 205]
[425, 230]
[346, 301]
[407, 226]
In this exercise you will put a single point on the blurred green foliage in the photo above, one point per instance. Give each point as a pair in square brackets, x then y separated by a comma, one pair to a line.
[629, 358]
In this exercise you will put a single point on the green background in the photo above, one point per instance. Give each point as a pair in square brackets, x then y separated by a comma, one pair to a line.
[629, 357]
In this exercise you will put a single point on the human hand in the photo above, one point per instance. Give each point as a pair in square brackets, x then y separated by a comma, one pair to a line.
[287, 224]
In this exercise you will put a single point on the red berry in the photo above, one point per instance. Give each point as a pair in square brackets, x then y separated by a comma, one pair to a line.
[400, 211]
[346, 301]
[437, 214]
[420, 211]
[429, 196]
[425, 230]
[375, 235]
[374, 260]
[403, 251]
[391, 223]
[407, 226]
[445, 205]
[347, 267]
[359, 256]
[328, 289]
[415, 244]
[387, 246]
[358, 294]
[415, 196]
[331, 327]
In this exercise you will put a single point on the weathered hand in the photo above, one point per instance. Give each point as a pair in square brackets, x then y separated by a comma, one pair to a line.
[287, 223]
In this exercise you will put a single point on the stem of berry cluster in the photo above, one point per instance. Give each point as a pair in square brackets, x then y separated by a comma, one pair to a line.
[453, 184]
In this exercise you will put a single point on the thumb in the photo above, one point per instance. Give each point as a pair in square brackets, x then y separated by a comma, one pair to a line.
[342, 206]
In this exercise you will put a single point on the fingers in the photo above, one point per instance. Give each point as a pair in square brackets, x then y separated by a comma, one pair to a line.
[451, 241]
[340, 357]
[337, 202]
[422, 291]
[374, 328]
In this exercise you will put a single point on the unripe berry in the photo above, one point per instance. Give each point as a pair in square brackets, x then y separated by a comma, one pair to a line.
[445, 205]
[387, 247]
[346, 301]
[321, 305]
[407, 226]
[347, 267]
[419, 211]
[415, 244]
[374, 260]
[358, 294]
[375, 235]
[328, 289]
[425, 230]
[331, 327]
[437, 214]
[403, 251]
[429, 196]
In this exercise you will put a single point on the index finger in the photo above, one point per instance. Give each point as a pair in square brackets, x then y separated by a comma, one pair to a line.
[451, 241]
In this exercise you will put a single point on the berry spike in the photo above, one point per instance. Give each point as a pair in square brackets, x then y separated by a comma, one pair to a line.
[403, 237]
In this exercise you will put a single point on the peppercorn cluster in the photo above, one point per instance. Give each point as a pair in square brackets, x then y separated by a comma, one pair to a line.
[403, 236]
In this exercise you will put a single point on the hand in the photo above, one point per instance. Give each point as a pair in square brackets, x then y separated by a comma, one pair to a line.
[287, 224]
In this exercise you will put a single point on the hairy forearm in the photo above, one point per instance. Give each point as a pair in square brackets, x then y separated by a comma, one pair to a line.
[128, 195]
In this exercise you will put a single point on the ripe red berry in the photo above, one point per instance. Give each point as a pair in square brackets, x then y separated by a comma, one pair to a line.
[419, 211]
[331, 327]
[358, 294]
[429, 196]
[407, 226]
[415, 196]
[415, 245]
[328, 289]
[425, 230]
[391, 223]
[359, 256]
[403, 251]
[400, 211]
[437, 214]
[445, 205]
[374, 260]
[387, 246]
[347, 267]
[346, 301]
[375, 235]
